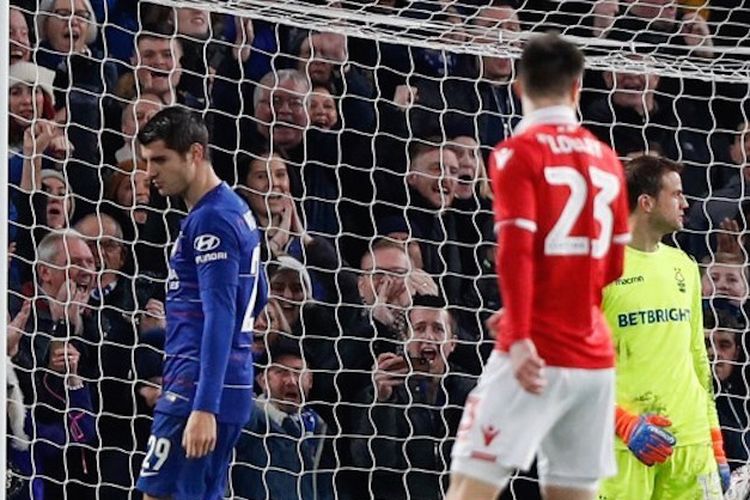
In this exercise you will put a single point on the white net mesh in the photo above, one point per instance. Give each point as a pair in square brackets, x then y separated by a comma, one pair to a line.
[357, 133]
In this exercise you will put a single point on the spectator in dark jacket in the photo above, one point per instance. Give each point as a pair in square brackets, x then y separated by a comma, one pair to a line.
[431, 185]
[279, 451]
[724, 333]
[633, 118]
[410, 414]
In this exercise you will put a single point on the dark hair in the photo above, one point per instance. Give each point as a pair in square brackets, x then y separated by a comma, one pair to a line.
[420, 146]
[178, 127]
[644, 176]
[723, 315]
[549, 66]
[284, 347]
[163, 31]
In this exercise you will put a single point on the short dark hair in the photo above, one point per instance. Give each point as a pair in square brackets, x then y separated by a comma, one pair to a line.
[549, 66]
[285, 347]
[725, 316]
[644, 176]
[418, 147]
[178, 127]
[158, 32]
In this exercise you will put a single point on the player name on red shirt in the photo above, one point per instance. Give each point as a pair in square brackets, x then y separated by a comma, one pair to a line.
[561, 212]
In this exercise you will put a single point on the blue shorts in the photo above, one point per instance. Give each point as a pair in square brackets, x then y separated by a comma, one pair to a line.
[166, 472]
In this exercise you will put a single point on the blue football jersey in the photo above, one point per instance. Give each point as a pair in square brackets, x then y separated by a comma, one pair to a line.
[215, 290]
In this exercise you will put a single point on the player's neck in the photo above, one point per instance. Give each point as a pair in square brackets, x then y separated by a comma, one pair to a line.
[205, 180]
[643, 237]
[531, 106]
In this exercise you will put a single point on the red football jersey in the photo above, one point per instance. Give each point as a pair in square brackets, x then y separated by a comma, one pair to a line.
[561, 214]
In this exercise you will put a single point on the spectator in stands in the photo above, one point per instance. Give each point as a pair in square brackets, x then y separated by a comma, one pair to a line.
[55, 354]
[499, 108]
[158, 69]
[322, 57]
[283, 123]
[724, 333]
[20, 45]
[475, 234]
[633, 118]
[31, 134]
[233, 108]
[724, 203]
[664, 24]
[725, 277]
[264, 183]
[410, 414]
[280, 112]
[66, 27]
[323, 109]
[30, 98]
[203, 51]
[62, 422]
[131, 118]
[48, 207]
[270, 326]
[431, 181]
[147, 224]
[138, 112]
[386, 284]
[126, 308]
[84, 78]
[279, 451]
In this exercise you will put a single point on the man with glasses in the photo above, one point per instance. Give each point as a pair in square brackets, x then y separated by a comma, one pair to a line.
[126, 308]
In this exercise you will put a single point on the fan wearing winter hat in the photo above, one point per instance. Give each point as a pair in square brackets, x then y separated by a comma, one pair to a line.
[30, 97]
[65, 27]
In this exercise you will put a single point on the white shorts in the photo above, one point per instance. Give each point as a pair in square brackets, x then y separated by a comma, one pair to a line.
[569, 427]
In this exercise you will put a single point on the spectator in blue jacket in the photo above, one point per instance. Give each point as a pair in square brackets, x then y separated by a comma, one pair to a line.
[279, 452]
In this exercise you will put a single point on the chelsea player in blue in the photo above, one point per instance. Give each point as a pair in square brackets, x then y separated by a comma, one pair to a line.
[215, 290]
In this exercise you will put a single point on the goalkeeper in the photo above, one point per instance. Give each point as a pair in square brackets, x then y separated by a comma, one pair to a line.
[668, 442]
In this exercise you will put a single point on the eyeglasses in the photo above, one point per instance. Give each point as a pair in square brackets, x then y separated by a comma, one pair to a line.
[66, 13]
[295, 103]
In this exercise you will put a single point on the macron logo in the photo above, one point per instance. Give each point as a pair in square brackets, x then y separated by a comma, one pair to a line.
[501, 157]
[206, 242]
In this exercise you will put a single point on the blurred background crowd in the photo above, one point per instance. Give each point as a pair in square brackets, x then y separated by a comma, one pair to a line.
[363, 162]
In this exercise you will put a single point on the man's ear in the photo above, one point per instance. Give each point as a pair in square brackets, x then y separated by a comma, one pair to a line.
[609, 79]
[198, 152]
[735, 151]
[517, 87]
[646, 203]
[43, 271]
[260, 378]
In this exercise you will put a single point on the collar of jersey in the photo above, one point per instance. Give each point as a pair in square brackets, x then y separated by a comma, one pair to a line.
[552, 115]
[209, 194]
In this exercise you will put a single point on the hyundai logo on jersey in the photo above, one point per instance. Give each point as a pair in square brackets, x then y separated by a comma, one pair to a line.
[206, 242]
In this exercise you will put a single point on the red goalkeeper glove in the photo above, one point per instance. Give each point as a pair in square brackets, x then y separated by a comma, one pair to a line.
[644, 436]
[721, 459]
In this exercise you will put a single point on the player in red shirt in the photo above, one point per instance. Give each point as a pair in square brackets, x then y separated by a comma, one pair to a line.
[561, 215]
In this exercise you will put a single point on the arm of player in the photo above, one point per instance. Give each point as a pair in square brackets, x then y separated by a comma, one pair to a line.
[620, 230]
[514, 187]
[703, 372]
[218, 277]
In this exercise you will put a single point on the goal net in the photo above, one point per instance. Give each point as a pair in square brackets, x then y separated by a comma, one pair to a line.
[358, 133]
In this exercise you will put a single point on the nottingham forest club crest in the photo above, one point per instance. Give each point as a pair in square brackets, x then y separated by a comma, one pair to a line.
[680, 280]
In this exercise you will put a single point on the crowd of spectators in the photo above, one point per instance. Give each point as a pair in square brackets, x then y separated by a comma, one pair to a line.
[364, 163]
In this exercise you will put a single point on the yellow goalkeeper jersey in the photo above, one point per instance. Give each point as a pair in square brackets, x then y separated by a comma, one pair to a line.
[662, 367]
